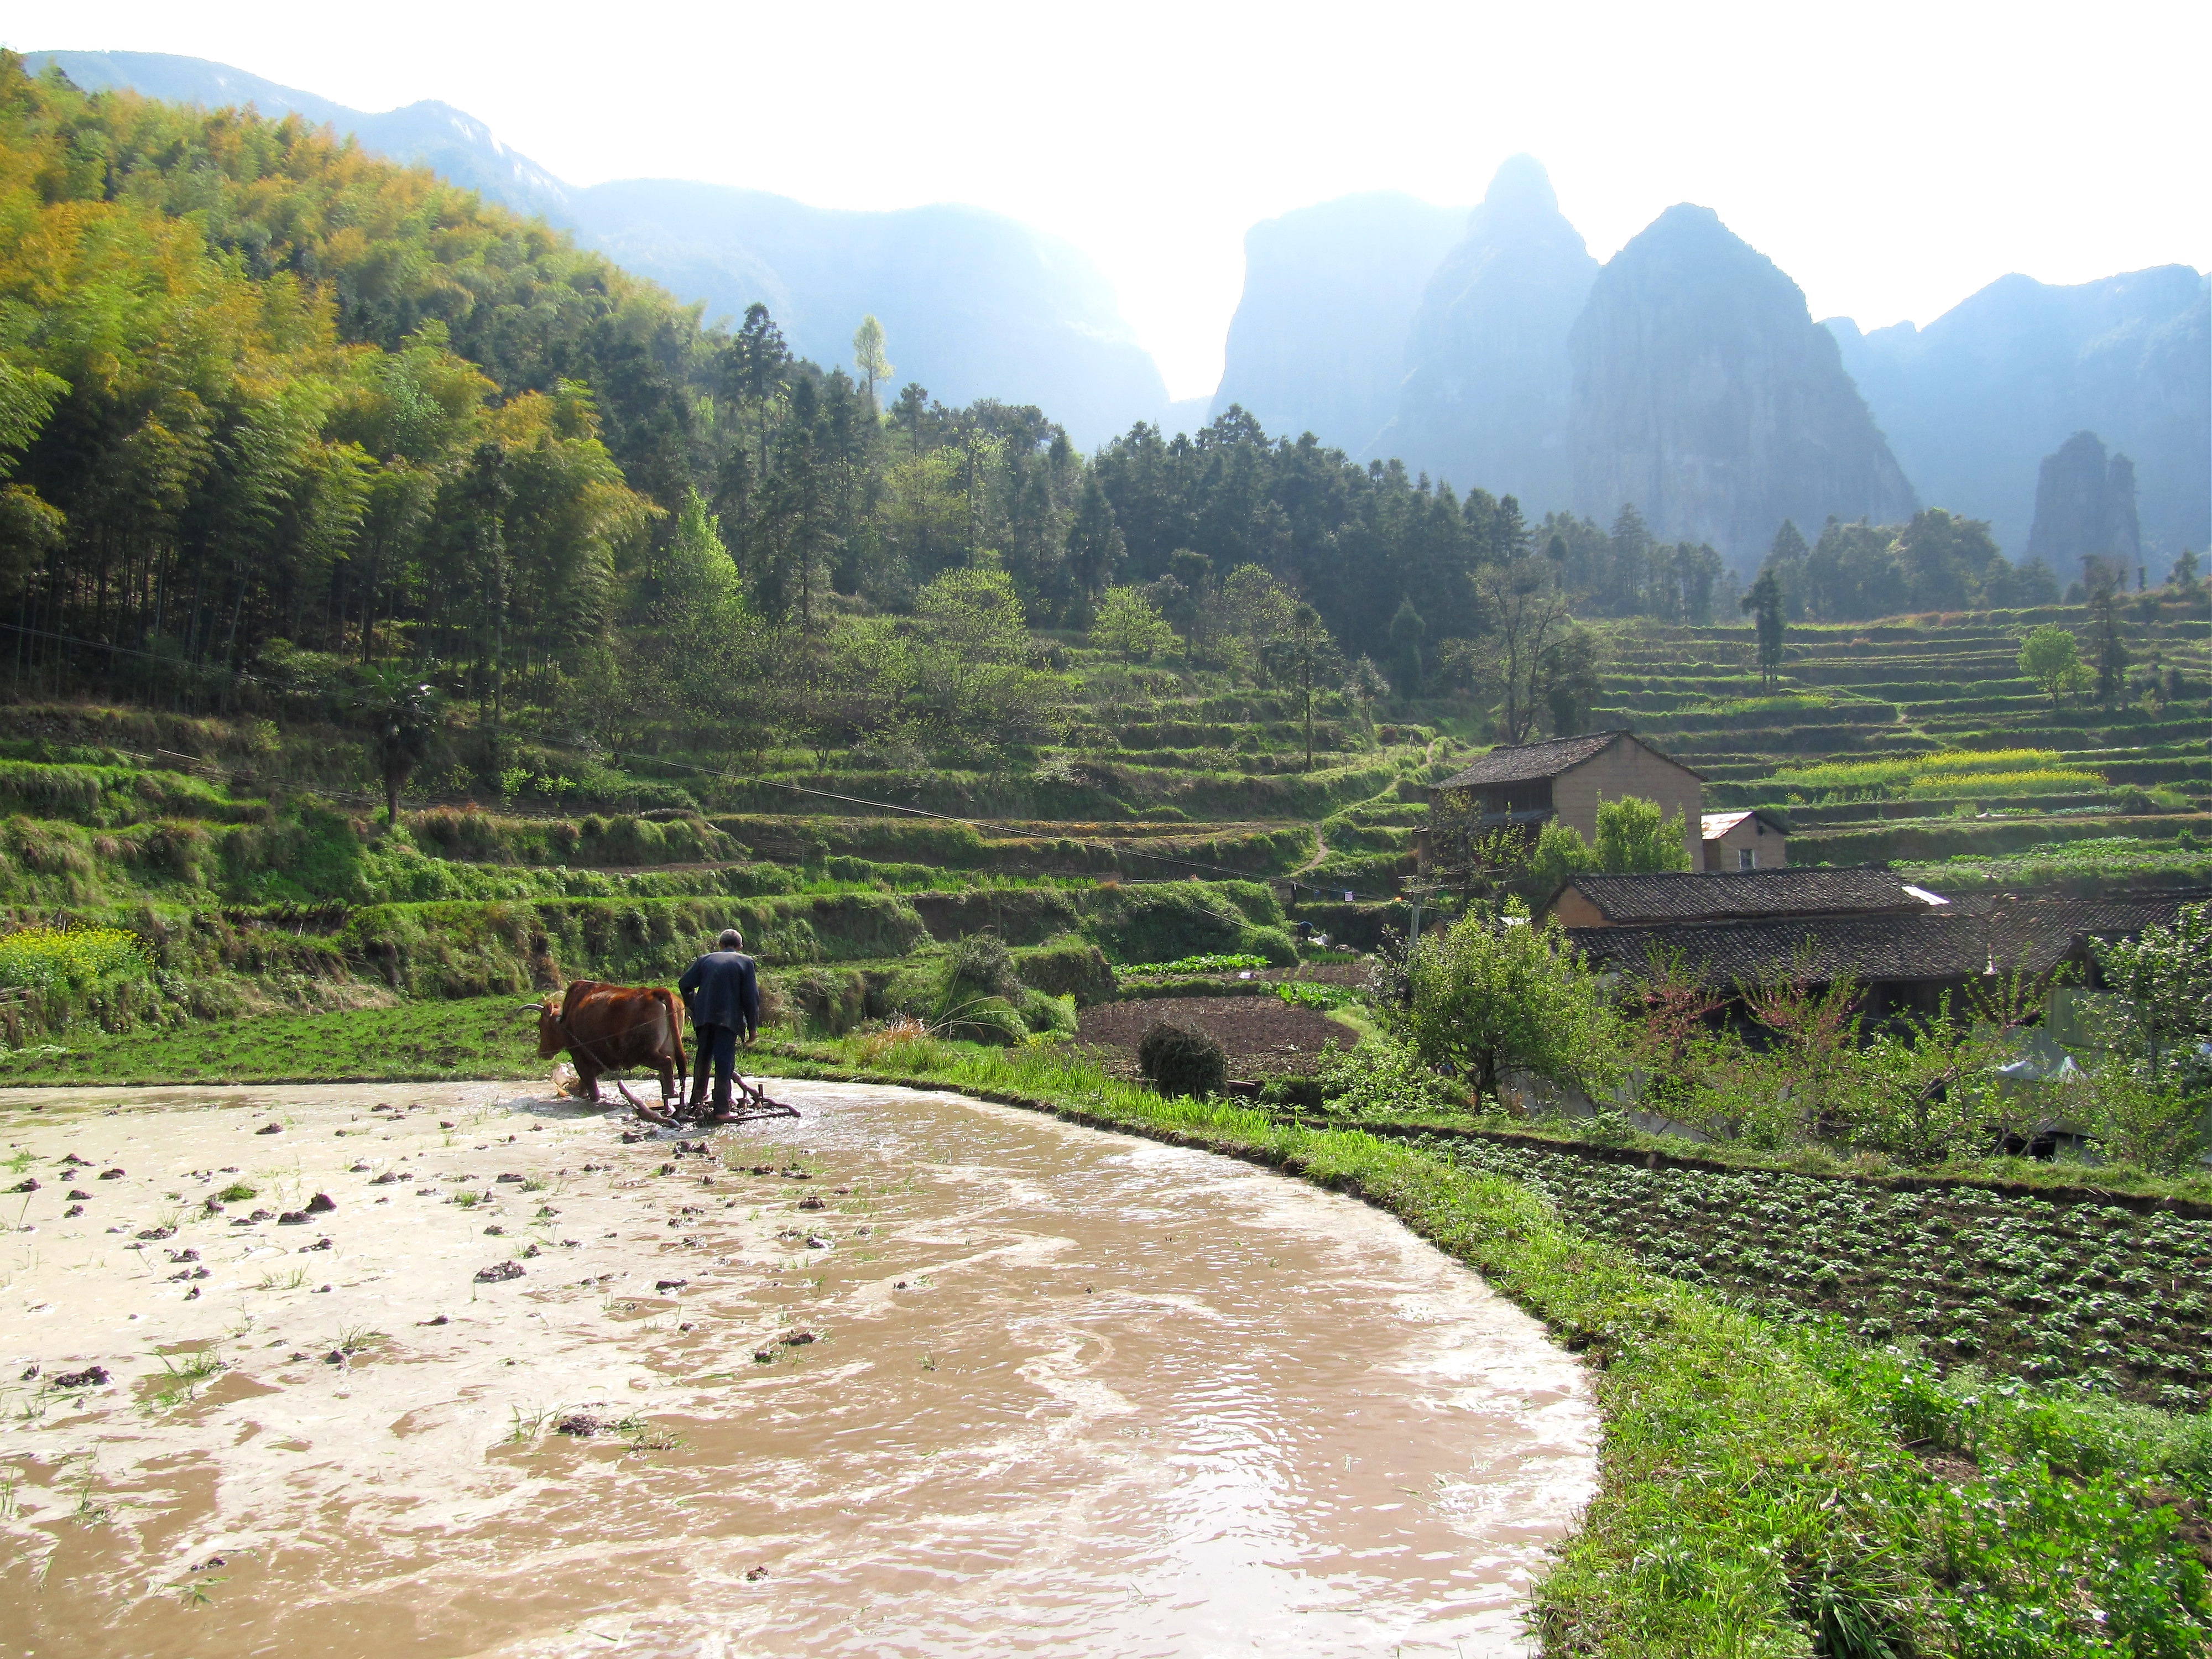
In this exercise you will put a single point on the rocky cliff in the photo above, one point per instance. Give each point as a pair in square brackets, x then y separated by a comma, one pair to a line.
[1484, 400]
[1703, 393]
[1319, 336]
[974, 304]
[2085, 508]
[1973, 401]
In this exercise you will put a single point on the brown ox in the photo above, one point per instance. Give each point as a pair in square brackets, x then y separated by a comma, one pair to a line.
[614, 1028]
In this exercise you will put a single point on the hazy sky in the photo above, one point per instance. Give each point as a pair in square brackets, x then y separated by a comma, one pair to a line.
[1891, 158]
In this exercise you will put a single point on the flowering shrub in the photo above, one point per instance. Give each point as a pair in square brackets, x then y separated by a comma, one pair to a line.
[55, 959]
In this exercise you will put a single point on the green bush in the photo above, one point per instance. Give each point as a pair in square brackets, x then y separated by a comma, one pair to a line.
[980, 965]
[1067, 966]
[1380, 1079]
[1048, 1015]
[1179, 1060]
[832, 1001]
[990, 1020]
[1272, 943]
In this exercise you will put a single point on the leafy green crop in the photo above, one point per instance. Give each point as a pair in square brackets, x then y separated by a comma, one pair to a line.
[2017, 1285]
[1214, 963]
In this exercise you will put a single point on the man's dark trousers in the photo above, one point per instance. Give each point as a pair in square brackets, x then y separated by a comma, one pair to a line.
[715, 1045]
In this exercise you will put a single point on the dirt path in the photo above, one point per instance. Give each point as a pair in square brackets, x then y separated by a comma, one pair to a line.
[980, 1382]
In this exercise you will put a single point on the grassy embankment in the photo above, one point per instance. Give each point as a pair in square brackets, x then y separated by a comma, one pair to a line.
[1764, 1488]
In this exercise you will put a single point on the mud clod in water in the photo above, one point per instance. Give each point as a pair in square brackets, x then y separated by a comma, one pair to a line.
[499, 1271]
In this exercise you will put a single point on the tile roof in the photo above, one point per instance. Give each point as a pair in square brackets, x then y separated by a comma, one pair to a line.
[1710, 896]
[2031, 934]
[1527, 762]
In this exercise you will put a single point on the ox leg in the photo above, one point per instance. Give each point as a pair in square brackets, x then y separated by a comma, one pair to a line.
[588, 1075]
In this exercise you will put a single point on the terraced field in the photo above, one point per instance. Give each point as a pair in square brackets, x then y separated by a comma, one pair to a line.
[2115, 792]
[248, 858]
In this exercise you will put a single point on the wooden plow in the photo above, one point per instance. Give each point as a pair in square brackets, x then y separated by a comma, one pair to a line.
[750, 1104]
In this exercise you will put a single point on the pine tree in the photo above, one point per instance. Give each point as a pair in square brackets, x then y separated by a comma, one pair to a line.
[1406, 632]
[1786, 559]
[1765, 602]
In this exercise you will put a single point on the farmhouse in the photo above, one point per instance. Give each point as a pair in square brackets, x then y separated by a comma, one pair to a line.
[1526, 784]
[1748, 840]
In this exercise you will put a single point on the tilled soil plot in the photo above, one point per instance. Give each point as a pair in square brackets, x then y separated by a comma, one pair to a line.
[1263, 1034]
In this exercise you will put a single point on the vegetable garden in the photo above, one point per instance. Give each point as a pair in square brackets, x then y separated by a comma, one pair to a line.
[2098, 1294]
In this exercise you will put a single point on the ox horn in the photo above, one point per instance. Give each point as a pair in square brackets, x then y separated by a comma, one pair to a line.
[532, 1008]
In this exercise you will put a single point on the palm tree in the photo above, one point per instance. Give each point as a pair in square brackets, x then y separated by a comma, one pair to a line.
[404, 716]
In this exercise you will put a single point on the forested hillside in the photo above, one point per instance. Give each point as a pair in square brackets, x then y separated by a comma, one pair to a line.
[275, 408]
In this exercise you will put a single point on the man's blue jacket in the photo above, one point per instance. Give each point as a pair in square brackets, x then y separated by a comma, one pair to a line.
[720, 989]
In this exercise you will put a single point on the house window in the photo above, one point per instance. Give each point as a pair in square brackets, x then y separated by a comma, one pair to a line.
[1747, 858]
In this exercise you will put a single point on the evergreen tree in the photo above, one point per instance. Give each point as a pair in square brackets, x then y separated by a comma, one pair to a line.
[1095, 547]
[1786, 559]
[2108, 583]
[1630, 546]
[1406, 632]
[1765, 603]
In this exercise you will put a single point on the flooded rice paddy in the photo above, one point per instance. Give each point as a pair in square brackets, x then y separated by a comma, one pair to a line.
[915, 1375]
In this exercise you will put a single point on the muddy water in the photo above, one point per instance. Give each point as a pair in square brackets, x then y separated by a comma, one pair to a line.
[1066, 1393]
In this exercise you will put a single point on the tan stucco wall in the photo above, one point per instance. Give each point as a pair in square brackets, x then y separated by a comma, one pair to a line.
[1630, 768]
[1721, 851]
[1571, 910]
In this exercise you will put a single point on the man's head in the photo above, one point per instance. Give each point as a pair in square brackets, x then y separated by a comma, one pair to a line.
[729, 939]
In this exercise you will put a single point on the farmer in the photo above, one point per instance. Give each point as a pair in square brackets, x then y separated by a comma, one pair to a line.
[722, 994]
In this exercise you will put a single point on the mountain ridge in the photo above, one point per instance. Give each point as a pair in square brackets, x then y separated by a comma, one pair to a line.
[976, 304]
[1319, 334]
[1974, 401]
[1705, 393]
[1483, 400]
